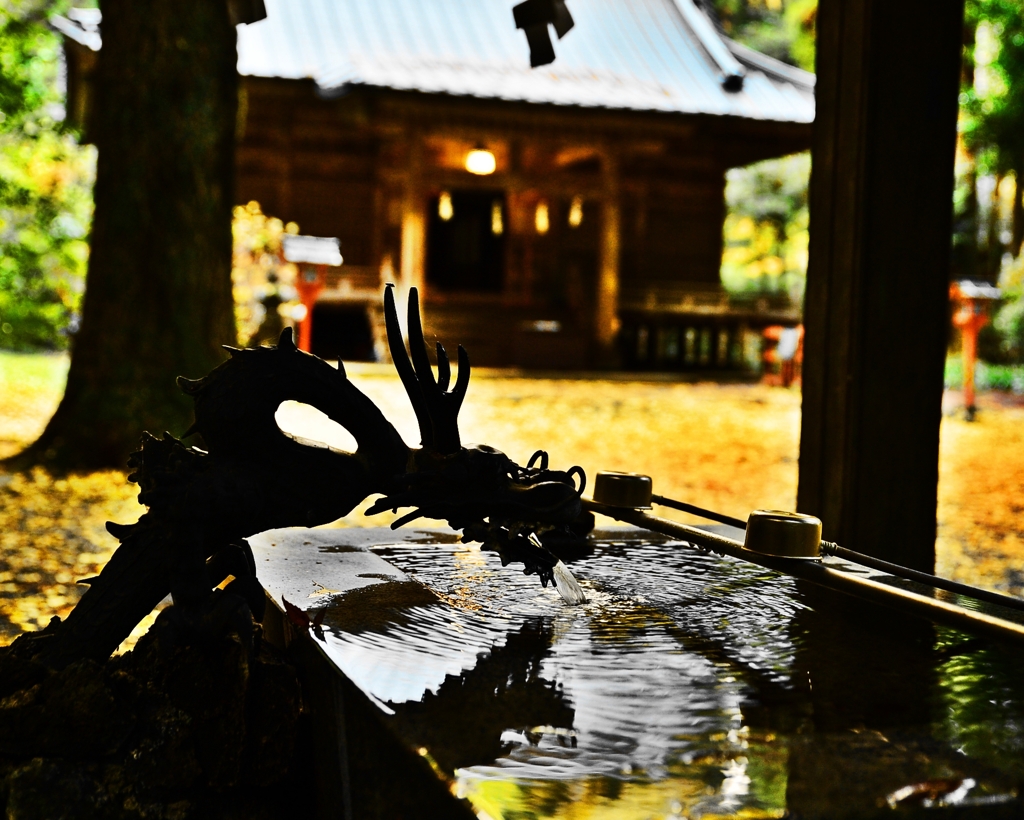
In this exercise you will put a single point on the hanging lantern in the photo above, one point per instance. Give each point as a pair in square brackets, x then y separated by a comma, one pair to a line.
[481, 162]
[541, 218]
[444, 206]
[576, 212]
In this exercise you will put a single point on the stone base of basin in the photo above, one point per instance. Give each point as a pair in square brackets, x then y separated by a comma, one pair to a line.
[362, 769]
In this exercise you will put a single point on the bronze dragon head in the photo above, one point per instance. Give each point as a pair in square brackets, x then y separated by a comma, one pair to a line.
[247, 476]
[476, 489]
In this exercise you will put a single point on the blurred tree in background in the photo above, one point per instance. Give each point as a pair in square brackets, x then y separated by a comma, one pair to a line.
[261, 280]
[989, 213]
[765, 232]
[766, 227]
[1006, 341]
[158, 296]
[783, 29]
[45, 187]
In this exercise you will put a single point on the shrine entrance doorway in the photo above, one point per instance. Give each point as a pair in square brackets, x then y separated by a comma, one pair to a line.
[466, 242]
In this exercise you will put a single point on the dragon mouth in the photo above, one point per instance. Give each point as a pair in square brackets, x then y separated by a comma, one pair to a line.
[518, 543]
[511, 522]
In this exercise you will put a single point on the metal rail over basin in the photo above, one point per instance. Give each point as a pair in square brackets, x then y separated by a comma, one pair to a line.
[980, 617]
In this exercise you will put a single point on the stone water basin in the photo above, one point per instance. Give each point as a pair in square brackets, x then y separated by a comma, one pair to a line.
[690, 685]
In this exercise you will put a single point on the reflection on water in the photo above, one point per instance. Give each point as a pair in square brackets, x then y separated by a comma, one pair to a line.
[690, 685]
[467, 720]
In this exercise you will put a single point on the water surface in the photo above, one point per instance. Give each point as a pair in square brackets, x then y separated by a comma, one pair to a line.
[690, 685]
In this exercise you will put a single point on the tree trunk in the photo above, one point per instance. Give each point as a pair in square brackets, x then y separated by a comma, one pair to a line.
[1018, 209]
[993, 242]
[967, 254]
[158, 298]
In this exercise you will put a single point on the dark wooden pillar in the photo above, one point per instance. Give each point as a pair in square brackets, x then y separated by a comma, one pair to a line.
[876, 309]
[606, 319]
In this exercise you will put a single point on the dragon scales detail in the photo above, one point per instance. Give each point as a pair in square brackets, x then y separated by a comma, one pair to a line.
[252, 476]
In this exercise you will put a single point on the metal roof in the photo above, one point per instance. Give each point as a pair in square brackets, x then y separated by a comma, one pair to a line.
[641, 55]
[644, 55]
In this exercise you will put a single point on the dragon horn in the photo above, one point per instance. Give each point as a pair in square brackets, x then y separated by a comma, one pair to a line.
[404, 367]
[458, 392]
[418, 347]
[285, 342]
[444, 368]
[443, 407]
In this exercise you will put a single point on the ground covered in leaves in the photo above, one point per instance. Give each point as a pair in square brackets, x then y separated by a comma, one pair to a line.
[729, 447]
[981, 493]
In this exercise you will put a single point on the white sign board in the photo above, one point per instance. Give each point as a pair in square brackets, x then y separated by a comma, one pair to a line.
[314, 250]
[979, 290]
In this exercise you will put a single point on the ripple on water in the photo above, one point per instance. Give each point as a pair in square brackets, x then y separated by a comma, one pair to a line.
[686, 683]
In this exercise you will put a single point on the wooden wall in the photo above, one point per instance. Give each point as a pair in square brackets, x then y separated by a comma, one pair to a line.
[309, 161]
[365, 167]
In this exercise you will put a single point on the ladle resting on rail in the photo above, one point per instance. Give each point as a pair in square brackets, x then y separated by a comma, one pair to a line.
[249, 477]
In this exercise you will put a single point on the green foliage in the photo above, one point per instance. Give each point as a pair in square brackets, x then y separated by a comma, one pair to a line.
[258, 272]
[45, 188]
[1008, 323]
[766, 227]
[991, 137]
[783, 29]
[767, 218]
[1007, 377]
[992, 97]
[26, 55]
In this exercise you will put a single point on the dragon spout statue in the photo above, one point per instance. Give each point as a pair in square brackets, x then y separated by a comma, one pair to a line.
[250, 476]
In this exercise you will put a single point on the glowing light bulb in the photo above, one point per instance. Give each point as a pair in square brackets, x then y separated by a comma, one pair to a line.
[576, 212]
[541, 218]
[481, 162]
[497, 222]
[444, 206]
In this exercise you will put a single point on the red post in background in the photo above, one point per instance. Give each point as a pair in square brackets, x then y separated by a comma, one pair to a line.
[309, 284]
[783, 348]
[972, 314]
[313, 255]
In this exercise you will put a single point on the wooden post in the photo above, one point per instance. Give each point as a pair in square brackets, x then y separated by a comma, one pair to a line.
[413, 243]
[878, 278]
[972, 303]
[606, 324]
[309, 284]
[969, 336]
[414, 226]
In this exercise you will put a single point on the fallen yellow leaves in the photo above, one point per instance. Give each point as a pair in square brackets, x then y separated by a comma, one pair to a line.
[51, 535]
[729, 447]
[981, 498]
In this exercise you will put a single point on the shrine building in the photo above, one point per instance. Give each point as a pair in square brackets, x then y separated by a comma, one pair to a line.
[568, 215]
